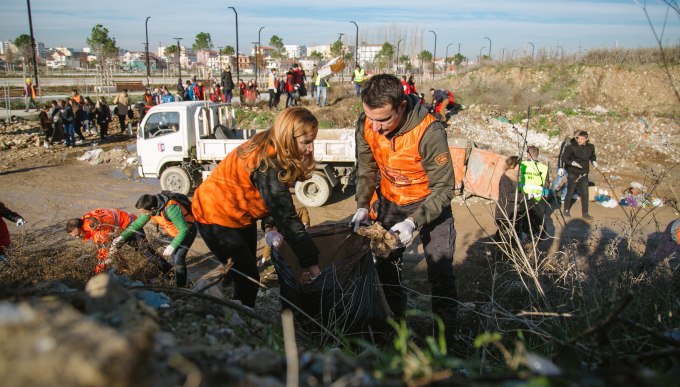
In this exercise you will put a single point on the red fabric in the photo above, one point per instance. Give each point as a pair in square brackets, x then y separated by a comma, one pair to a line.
[4, 236]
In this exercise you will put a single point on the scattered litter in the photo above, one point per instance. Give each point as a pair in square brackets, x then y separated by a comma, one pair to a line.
[91, 155]
[611, 203]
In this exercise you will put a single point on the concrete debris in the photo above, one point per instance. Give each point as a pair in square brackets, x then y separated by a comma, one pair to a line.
[53, 344]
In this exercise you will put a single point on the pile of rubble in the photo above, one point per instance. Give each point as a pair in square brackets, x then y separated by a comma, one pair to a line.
[19, 134]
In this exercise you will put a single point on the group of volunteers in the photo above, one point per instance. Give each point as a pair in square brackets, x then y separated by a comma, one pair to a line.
[404, 181]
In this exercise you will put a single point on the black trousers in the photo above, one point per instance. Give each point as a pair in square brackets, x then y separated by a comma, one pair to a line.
[179, 257]
[240, 245]
[580, 182]
[272, 98]
[439, 239]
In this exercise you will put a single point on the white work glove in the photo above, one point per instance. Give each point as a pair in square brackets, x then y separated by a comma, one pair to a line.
[404, 230]
[360, 218]
[116, 242]
[530, 196]
[168, 251]
[276, 239]
[595, 164]
[575, 164]
[560, 171]
[21, 222]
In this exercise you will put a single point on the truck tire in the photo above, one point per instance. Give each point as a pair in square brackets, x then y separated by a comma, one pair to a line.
[313, 192]
[176, 179]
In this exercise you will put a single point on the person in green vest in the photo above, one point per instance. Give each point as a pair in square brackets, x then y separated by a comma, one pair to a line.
[172, 215]
[533, 183]
[358, 77]
[322, 87]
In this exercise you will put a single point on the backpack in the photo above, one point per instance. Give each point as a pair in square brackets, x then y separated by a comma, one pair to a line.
[178, 197]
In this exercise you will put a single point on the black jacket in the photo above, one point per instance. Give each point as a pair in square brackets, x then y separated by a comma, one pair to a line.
[582, 154]
[227, 82]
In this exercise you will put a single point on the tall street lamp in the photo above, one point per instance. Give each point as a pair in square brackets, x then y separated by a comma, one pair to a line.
[532, 50]
[256, 53]
[400, 40]
[179, 61]
[446, 60]
[356, 44]
[237, 64]
[434, 56]
[35, 62]
[148, 70]
[489, 39]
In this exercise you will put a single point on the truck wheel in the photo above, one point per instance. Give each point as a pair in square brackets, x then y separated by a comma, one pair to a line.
[313, 192]
[176, 179]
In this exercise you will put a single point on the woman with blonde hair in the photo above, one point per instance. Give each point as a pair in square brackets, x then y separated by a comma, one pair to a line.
[252, 182]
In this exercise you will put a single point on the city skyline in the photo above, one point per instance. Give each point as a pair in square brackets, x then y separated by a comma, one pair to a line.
[508, 26]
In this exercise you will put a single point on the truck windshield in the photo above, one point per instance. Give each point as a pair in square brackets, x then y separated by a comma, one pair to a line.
[161, 124]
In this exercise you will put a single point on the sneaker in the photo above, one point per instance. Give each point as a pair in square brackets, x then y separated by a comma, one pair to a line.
[567, 214]
[587, 216]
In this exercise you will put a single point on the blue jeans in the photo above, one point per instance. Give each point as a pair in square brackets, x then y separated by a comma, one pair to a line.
[69, 131]
[357, 86]
[227, 96]
[321, 92]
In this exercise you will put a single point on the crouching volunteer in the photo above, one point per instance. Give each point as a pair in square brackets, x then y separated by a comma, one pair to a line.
[172, 212]
[399, 141]
[102, 226]
[251, 183]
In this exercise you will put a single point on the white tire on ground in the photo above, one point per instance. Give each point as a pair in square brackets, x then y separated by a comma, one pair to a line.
[313, 192]
[176, 179]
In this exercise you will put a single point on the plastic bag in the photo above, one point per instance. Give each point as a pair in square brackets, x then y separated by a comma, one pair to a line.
[347, 297]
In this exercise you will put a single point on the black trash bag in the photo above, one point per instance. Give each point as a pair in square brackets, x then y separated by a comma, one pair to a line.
[347, 298]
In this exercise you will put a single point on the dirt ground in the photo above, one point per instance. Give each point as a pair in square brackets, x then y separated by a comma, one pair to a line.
[52, 186]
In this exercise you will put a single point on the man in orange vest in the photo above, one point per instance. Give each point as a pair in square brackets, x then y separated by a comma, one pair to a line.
[401, 142]
[29, 95]
[102, 226]
[175, 218]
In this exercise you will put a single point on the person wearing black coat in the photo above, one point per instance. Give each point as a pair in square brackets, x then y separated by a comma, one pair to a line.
[227, 84]
[577, 158]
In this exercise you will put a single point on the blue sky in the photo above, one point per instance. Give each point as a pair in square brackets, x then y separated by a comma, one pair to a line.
[510, 24]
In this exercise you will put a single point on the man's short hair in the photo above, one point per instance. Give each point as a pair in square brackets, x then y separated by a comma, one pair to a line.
[147, 202]
[381, 90]
[583, 133]
[75, 223]
[533, 151]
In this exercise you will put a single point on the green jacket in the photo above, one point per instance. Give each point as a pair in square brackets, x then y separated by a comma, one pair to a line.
[173, 213]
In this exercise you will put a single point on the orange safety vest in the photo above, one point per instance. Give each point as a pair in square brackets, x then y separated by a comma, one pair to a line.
[404, 180]
[166, 224]
[228, 197]
[101, 224]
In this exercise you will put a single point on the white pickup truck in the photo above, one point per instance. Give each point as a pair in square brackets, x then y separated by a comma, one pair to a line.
[181, 142]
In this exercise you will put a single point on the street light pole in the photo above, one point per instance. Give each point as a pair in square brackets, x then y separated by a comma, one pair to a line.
[356, 44]
[446, 60]
[179, 61]
[400, 40]
[33, 56]
[434, 56]
[532, 50]
[489, 39]
[148, 70]
[257, 70]
[237, 64]
[480, 54]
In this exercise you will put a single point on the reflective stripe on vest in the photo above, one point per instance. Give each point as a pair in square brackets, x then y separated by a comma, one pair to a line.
[228, 197]
[533, 176]
[359, 75]
[404, 180]
[166, 224]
